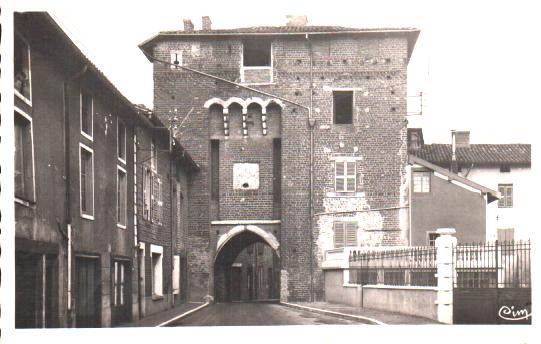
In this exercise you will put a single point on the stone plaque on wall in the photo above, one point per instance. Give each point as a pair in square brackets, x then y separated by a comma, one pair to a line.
[246, 176]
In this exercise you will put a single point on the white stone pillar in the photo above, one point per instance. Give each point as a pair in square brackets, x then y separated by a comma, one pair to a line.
[444, 261]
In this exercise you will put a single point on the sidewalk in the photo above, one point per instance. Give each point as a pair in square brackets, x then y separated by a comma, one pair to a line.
[367, 315]
[156, 319]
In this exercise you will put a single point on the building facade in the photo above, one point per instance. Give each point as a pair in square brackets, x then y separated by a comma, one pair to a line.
[300, 133]
[502, 167]
[77, 203]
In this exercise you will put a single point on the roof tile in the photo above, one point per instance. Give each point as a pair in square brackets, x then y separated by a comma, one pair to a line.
[479, 154]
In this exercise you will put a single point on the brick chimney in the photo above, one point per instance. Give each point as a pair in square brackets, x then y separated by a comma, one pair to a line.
[296, 20]
[206, 24]
[188, 25]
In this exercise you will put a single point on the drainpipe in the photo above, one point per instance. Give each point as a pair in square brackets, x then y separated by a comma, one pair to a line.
[171, 218]
[311, 123]
[67, 175]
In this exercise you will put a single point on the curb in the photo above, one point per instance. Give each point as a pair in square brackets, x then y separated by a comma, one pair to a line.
[336, 314]
[183, 315]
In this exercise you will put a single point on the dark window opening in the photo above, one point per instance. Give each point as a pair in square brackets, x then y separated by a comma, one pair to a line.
[343, 107]
[505, 168]
[21, 66]
[257, 53]
[215, 168]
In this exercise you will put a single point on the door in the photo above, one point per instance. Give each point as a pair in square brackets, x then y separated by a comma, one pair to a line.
[87, 292]
[235, 283]
[121, 295]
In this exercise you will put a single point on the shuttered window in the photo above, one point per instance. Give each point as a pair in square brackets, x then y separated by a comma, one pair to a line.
[345, 176]
[156, 199]
[506, 192]
[345, 234]
[147, 186]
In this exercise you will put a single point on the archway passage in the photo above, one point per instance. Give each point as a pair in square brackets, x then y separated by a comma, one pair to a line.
[246, 268]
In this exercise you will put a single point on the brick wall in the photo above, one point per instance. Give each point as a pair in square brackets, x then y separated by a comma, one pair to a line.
[375, 67]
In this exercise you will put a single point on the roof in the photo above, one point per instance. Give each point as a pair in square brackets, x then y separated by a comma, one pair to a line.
[492, 195]
[412, 33]
[477, 154]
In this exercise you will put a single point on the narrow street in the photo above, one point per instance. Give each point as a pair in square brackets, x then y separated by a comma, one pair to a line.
[257, 314]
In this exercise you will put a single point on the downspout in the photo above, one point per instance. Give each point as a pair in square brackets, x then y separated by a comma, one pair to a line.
[67, 175]
[311, 123]
[135, 225]
[173, 225]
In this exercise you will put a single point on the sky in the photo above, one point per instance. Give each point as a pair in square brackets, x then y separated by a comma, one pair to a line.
[476, 62]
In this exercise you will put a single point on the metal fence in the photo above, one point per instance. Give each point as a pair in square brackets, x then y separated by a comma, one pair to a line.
[493, 265]
[412, 266]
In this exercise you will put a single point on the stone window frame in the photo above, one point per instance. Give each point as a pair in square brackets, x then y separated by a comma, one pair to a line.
[121, 223]
[175, 274]
[270, 68]
[84, 214]
[156, 264]
[90, 135]
[29, 196]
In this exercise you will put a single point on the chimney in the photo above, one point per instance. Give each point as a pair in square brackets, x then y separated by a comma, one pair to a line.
[206, 24]
[454, 163]
[296, 20]
[188, 25]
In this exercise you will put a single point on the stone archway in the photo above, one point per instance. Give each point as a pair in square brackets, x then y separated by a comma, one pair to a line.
[247, 265]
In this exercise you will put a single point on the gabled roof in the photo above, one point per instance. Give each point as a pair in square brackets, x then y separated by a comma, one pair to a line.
[411, 33]
[492, 195]
[477, 154]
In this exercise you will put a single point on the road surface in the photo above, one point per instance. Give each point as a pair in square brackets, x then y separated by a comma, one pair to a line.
[257, 314]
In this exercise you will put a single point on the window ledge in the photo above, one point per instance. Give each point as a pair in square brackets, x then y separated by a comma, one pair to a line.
[345, 194]
[122, 160]
[24, 202]
[87, 136]
[157, 297]
[121, 226]
[87, 217]
[23, 98]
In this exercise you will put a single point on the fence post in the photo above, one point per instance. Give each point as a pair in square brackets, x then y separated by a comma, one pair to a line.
[444, 261]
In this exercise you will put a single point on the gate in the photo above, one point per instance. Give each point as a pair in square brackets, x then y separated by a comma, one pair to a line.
[492, 283]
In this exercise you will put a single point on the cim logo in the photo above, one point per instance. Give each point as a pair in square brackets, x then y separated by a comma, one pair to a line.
[509, 313]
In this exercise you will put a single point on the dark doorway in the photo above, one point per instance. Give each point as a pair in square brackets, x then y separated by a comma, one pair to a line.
[35, 296]
[87, 292]
[245, 270]
[121, 293]
[235, 283]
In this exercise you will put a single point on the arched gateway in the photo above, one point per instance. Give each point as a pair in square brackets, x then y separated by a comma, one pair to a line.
[247, 265]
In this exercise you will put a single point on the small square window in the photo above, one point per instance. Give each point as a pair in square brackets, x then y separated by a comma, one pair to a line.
[421, 182]
[506, 192]
[343, 107]
[432, 239]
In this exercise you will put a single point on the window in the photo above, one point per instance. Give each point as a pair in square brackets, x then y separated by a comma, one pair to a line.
[120, 269]
[24, 157]
[343, 107]
[86, 181]
[121, 141]
[121, 197]
[157, 272]
[215, 169]
[421, 182]
[505, 168]
[345, 234]
[432, 238]
[176, 58]
[506, 234]
[87, 114]
[156, 200]
[176, 274]
[153, 155]
[345, 176]
[506, 192]
[147, 192]
[21, 66]
[257, 52]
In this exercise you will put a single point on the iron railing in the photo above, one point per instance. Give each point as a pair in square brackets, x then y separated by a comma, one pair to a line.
[492, 265]
[412, 266]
